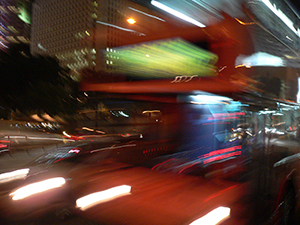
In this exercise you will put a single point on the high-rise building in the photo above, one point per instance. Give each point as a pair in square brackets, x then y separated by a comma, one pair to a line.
[82, 33]
[14, 22]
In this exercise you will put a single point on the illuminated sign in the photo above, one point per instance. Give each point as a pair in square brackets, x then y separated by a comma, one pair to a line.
[162, 59]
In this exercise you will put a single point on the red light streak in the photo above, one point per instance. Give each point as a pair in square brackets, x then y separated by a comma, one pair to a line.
[76, 138]
[220, 193]
[210, 157]
[221, 151]
[220, 154]
[213, 123]
[292, 128]
[222, 157]
[75, 150]
[226, 115]
[188, 167]
[232, 117]
[153, 168]
[229, 114]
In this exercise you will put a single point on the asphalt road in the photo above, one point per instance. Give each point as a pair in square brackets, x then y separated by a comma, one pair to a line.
[158, 198]
[21, 154]
[24, 146]
[51, 220]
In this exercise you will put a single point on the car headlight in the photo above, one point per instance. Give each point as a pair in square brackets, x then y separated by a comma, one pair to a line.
[13, 175]
[214, 217]
[38, 187]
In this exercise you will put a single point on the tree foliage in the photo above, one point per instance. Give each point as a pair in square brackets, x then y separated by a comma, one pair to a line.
[35, 84]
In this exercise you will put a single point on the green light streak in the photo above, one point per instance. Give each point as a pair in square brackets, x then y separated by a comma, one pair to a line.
[24, 14]
[163, 59]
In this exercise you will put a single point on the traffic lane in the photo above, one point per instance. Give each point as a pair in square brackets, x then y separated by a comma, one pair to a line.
[42, 200]
[50, 220]
[19, 158]
[157, 198]
[16, 145]
[12, 141]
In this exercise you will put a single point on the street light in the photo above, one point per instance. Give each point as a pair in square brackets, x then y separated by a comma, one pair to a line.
[131, 21]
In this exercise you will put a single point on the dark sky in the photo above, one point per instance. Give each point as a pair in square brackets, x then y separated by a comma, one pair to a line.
[296, 4]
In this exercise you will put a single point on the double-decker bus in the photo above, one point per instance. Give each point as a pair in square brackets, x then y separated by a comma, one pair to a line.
[232, 112]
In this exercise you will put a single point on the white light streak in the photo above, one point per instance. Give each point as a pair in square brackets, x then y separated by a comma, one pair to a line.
[213, 217]
[123, 114]
[37, 187]
[114, 147]
[41, 47]
[298, 94]
[146, 14]
[259, 59]
[177, 14]
[66, 134]
[13, 175]
[3, 44]
[120, 28]
[209, 99]
[90, 200]
[281, 16]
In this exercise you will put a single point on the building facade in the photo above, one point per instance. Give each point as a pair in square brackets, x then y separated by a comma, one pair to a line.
[14, 23]
[83, 33]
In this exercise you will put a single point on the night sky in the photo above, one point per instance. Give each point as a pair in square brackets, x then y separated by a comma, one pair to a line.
[296, 4]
